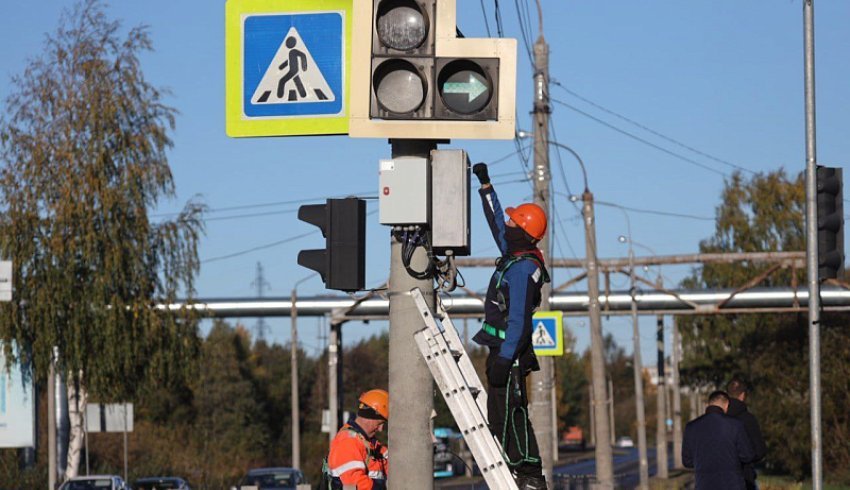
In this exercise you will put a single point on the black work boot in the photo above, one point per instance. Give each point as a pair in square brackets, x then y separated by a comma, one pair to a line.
[535, 482]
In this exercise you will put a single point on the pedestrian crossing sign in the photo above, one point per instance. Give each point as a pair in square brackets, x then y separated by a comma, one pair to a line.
[547, 333]
[286, 67]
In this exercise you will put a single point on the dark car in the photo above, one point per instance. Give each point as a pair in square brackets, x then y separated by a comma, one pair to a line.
[273, 478]
[161, 483]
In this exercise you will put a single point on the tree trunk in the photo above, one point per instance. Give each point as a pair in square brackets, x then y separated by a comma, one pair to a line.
[77, 399]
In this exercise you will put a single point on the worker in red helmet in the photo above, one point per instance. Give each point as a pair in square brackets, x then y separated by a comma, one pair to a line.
[512, 296]
[356, 457]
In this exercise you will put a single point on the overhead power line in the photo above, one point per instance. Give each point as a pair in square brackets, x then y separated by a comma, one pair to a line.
[486, 22]
[241, 207]
[260, 247]
[650, 130]
[641, 140]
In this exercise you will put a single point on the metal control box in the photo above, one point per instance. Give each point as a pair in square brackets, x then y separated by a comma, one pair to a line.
[450, 202]
[403, 191]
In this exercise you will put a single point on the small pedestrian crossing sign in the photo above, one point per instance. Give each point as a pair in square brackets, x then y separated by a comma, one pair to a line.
[547, 333]
[287, 67]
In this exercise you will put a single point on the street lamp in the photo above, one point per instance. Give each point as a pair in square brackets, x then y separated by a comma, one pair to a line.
[661, 392]
[293, 355]
[636, 359]
[602, 426]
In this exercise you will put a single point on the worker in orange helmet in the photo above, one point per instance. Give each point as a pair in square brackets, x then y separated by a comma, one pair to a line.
[356, 457]
[512, 296]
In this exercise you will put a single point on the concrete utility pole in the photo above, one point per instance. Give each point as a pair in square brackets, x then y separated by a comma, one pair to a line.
[677, 397]
[638, 372]
[812, 242]
[293, 372]
[592, 417]
[411, 386]
[604, 457]
[610, 402]
[334, 377]
[661, 402]
[542, 382]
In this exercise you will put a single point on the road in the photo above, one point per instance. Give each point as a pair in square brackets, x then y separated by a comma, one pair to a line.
[576, 473]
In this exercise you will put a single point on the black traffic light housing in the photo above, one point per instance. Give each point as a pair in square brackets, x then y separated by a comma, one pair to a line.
[830, 212]
[342, 263]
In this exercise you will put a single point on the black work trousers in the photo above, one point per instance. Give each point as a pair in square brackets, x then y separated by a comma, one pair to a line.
[507, 408]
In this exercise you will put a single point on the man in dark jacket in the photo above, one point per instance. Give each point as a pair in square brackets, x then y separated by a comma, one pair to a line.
[737, 390]
[512, 297]
[716, 446]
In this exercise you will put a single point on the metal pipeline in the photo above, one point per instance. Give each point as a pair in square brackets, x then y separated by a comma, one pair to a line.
[683, 301]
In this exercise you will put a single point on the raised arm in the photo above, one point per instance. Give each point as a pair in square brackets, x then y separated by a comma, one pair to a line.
[492, 208]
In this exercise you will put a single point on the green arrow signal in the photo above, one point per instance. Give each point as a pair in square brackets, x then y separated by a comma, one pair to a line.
[473, 88]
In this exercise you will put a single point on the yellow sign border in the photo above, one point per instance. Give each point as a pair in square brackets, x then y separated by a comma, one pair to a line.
[558, 350]
[238, 126]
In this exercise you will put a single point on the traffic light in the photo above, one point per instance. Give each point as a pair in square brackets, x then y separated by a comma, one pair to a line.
[342, 263]
[830, 223]
[413, 77]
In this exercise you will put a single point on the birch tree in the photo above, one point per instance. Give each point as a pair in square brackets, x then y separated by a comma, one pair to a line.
[83, 148]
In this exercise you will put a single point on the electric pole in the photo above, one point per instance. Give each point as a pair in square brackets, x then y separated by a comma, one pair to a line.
[261, 284]
[677, 397]
[294, 401]
[542, 381]
[411, 386]
[660, 400]
[610, 401]
[638, 374]
[51, 427]
[812, 243]
[604, 457]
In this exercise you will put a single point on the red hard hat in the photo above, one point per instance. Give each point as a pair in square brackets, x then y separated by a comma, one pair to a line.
[377, 400]
[530, 217]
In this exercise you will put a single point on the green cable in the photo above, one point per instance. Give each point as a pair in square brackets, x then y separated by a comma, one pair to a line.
[525, 458]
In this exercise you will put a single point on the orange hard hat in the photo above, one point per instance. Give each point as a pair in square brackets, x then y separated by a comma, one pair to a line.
[530, 217]
[377, 400]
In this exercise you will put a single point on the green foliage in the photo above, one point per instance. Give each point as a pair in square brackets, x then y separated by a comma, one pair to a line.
[766, 213]
[83, 145]
[571, 386]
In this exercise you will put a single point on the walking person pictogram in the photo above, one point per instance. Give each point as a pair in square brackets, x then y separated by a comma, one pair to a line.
[295, 55]
[292, 76]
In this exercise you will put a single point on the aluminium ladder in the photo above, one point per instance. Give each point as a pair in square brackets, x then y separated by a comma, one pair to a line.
[466, 397]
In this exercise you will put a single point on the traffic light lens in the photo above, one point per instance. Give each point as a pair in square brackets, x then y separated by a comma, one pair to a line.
[464, 87]
[399, 87]
[401, 24]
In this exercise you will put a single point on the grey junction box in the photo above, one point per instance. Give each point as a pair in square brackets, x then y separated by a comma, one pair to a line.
[450, 202]
[403, 195]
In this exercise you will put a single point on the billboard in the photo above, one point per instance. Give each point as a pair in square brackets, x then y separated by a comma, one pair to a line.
[17, 406]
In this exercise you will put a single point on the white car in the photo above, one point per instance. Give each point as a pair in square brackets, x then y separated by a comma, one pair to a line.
[625, 442]
[95, 482]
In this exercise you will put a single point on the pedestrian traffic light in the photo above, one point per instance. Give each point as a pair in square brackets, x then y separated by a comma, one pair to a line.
[342, 263]
[413, 77]
[830, 202]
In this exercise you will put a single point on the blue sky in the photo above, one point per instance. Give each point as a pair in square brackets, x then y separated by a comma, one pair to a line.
[723, 77]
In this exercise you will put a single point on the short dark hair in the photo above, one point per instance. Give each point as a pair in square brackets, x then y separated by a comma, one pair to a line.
[737, 385]
[718, 396]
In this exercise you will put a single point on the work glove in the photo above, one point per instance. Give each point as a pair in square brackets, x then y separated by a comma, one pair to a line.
[480, 171]
[498, 373]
